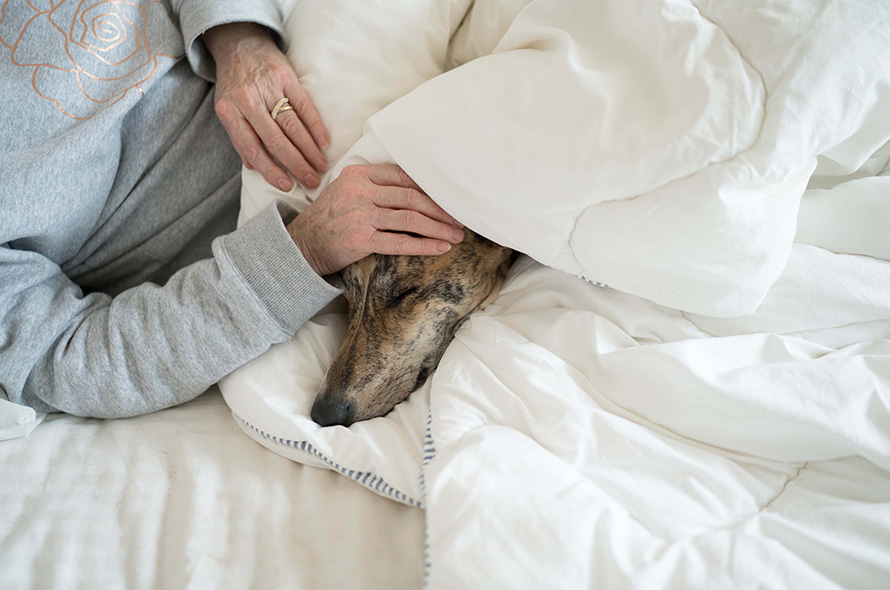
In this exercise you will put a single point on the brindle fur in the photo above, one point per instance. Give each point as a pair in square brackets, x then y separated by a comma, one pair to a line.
[403, 313]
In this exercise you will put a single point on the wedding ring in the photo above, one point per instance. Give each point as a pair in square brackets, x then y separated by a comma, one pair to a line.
[281, 106]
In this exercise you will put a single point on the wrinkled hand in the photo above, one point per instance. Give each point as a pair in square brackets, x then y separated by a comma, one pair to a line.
[371, 209]
[252, 75]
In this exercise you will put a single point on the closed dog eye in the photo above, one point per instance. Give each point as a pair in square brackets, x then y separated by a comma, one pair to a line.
[395, 301]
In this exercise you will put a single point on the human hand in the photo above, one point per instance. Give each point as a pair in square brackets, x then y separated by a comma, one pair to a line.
[371, 209]
[252, 75]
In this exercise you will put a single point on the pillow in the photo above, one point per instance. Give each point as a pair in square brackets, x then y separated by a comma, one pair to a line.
[17, 420]
[272, 395]
[354, 59]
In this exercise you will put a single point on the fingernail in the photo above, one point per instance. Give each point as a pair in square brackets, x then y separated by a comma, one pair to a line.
[320, 164]
[443, 247]
[457, 235]
[311, 180]
[285, 184]
[325, 142]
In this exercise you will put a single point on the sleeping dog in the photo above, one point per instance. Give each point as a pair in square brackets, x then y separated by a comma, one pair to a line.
[403, 313]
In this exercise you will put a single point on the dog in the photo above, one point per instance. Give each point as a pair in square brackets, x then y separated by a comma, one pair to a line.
[403, 313]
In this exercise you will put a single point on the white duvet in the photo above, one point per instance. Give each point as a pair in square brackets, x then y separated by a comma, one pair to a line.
[718, 418]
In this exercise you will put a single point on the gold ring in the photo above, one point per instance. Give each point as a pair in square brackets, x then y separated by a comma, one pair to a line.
[281, 106]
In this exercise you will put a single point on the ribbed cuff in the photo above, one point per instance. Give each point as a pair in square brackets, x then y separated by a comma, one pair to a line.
[196, 16]
[275, 270]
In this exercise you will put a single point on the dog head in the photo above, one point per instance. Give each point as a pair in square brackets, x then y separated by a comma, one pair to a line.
[403, 313]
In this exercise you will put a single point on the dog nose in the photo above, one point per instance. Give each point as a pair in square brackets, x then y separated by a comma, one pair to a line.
[330, 412]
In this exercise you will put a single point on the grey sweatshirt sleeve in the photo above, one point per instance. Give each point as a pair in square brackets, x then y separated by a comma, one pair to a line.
[196, 16]
[151, 347]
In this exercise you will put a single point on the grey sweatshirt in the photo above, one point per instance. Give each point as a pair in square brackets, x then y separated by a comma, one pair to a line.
[114, 172]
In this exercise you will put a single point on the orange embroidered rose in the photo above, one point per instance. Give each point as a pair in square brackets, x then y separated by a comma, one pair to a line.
[87, 55]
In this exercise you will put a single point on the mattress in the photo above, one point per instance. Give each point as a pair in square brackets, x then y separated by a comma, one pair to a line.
[182, 499]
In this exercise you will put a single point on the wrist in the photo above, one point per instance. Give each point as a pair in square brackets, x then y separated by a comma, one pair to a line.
[225, 40]
[295, 233]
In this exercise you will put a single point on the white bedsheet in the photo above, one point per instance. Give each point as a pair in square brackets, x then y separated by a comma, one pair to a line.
[628, 437]
[181, 499]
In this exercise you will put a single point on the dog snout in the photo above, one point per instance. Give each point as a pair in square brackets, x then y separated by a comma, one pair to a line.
[328, 411]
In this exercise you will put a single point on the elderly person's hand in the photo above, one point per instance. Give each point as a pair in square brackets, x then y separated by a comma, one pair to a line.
[252, 76]
[366, 210]
[371, 209]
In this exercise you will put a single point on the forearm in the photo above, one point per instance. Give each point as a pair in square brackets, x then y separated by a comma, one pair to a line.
[150, 348]
[153, 347]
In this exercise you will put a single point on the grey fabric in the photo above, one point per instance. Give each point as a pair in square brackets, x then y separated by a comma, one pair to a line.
[115, 171]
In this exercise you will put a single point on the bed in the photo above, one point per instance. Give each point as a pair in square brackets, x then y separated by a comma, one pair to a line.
[684, 383]
[182, 499]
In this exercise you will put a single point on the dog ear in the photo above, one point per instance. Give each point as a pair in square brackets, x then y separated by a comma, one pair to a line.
[500, 276]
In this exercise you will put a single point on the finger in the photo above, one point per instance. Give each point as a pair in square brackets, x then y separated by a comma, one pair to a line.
[405, 245]
[308, 115]
[408, 220]
[254, 156]
[280, 146]
[393, 197]
[391, 175]
[296, 131]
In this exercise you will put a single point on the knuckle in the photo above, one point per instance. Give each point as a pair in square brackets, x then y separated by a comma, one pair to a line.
[351, 191]
[411, 219]
[250, 152]
[302, 169]
[285, 120]
[301, 166]
[316, 127]
[276, 141]
[412, 198]
[301, 103]
[222, 108]
[227, 113]
[354, 170]
[242, 96]
[281, 71]
[289, 122]
[402, 243]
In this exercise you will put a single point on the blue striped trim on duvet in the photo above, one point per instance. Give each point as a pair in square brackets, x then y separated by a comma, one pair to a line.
[592, 282]
[365, 478]
[429, 453]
